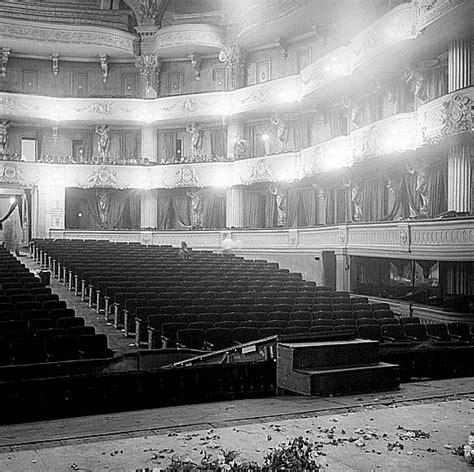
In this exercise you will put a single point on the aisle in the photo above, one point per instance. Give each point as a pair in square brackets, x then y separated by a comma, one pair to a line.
[117, 341]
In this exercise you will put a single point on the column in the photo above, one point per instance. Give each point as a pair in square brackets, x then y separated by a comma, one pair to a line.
[235, 131]
[342, 270]
[234, 207]
[148, 209]
[459, 64]
[459, 179]
[150, 143]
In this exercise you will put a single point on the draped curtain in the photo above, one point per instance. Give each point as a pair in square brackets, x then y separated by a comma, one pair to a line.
[117, 201]
[438, 190]
[128, 145]
[330, 206]
[254, 217]
[164, 211]
[219, 142]
[93, 210]
[88, 145]
[213, 209]
[292, 208]
[271, 212]
[337, 123]
[182, 210]
[39, 144]
[309, 202]
[405, 203]
[135, 210]
[256, 145]
[301, 133]
[169, 151]
[437, 82]
[372, 198]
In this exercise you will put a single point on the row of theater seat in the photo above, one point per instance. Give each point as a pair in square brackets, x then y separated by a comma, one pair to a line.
[201, 335]
[35, 326]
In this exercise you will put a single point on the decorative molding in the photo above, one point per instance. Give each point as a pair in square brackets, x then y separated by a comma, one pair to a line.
[432, 240]
[186, 36]
[5, 56]
[428, 11]
[186, 176]
[457, 115]
[104, 65]
[102, 177]
[186, 106]
[81, 37]
[196, 60]
[55, 64]
[149, 66]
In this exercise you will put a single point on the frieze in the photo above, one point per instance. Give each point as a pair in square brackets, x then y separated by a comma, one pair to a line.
[102, 177]
[257, 97]
[186, 106]
[167, 39]
[186, 176]
[260, 172]
[428, 11]
[98, 108]
[11, 174]
[118, 40]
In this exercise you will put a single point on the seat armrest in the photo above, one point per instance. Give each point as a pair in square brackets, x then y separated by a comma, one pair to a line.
[208, 346]
[388, 338]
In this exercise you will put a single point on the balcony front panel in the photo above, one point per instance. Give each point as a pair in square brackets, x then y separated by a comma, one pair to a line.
[180, 40]
[43, 39]
[434, 240]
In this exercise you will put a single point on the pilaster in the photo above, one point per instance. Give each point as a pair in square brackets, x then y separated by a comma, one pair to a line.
[234, 207]
[460, 64]
[459, 179]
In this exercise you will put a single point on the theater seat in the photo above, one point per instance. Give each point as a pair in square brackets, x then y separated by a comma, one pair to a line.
[244, 334]
[190, 338]
[218, 338]
[27, 351]
[416, 332]
[93, 346]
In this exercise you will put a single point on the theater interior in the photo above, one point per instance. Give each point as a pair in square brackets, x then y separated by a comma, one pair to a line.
[316, 159]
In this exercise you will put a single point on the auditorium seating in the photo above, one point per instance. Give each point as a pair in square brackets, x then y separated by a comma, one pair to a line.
[165, 302]
[34, 323]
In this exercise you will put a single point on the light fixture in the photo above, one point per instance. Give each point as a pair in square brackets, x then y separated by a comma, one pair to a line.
[265, 137]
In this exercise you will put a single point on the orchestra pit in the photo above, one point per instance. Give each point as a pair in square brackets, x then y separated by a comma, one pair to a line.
[236, 235]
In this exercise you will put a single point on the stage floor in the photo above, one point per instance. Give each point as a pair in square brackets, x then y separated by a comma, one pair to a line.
[132, 440]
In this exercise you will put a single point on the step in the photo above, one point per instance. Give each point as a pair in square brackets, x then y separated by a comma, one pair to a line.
[342, 380]
[325, 354]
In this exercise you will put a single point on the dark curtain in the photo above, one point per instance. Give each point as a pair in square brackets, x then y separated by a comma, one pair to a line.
[219, 142]
[88, 145]
[256, 145]
[164, 210]
[93, 210]
[271, 212]
[292, 208]
[330, 206]
[11, 210]
[128, 145]
[135, 210]
[169, 152]
[405, 204]
[309, 202]
[438, 190]
[39, 144]
[117, 201]
[182, 210]
[372, 198]
[437, 82]
[254, 211]
[301, 133]
[404, 97]
[213, 209]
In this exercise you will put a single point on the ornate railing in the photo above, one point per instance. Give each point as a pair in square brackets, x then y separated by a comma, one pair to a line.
[424, 239]
[435, 121]
[400, 24]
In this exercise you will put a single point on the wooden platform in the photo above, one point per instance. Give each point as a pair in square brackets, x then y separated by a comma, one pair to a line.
[334, 368]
